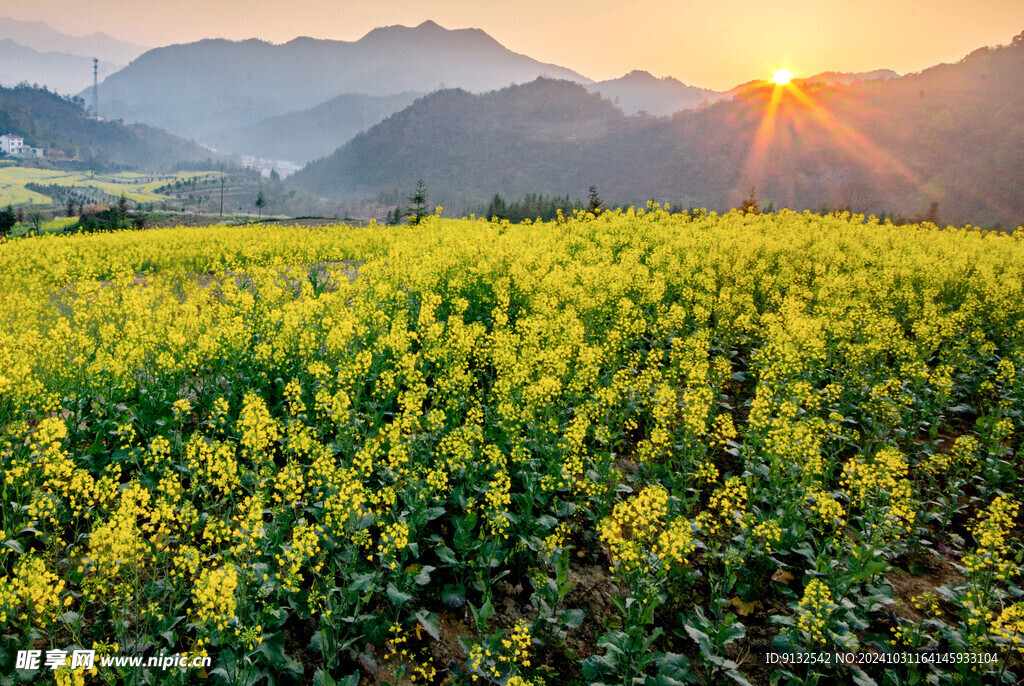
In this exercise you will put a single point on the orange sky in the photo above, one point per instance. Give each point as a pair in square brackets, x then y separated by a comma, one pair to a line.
[716, 44]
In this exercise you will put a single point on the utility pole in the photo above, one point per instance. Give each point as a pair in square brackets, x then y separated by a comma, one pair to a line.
[222, 197]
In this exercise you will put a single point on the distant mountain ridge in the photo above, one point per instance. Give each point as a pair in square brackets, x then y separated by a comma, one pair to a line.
[199, 88]
[310, 134]
[58, 71]
[846, 78]
[639, 91]
[515, 140]
[828, 78]
[44, 38]
[951, 135]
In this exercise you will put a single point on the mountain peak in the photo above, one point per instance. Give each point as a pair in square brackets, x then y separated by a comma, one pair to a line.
[255, 81]
[429, 27]
[44, 38]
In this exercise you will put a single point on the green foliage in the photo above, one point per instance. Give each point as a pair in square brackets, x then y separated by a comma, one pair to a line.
[498, 209]
[594, 201]
[7, 220]
[394, 217]
[114, 218]
[532, 207]
[749, 204]
[417, 209]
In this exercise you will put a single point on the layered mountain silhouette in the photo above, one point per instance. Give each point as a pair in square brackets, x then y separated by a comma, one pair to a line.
[536, 136]
[952, 135]
[640, 92]
[828, 78]
[44, 38]
[835, 78]
[59, 71]
[35, 53]
[200, 88]
[313, 133]
[948, 141]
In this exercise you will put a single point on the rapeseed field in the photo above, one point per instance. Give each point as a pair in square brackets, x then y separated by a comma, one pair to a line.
[636, 448]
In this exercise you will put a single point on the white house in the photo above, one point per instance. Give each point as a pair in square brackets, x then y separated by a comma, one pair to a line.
[15, 145]
[11, 144]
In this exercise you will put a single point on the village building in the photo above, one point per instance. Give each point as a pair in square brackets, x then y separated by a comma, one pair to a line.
[14, 146]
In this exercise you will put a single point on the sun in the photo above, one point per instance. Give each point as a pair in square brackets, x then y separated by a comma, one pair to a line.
[780, 77]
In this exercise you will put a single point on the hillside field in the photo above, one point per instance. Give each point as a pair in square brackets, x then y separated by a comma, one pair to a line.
[636, 448]
[139, 188]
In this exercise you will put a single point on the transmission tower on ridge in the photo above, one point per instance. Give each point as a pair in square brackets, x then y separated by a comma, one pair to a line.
[95, 88]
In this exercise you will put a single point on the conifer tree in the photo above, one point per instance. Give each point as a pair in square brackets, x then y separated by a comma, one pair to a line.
[595, 202]
[418, 204]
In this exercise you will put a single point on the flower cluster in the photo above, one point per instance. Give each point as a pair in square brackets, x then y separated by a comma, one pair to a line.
[213, 597]
[633, 524]
[814, 610]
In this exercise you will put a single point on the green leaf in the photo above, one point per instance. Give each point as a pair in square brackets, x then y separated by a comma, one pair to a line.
[222, 673]
[423, 578]
[322, 678]
[481, 615]
[446, 555]
[564, 509]
[293, 667]
[665, 680]
[862, 679]
[397, 598]
[732, 670]
[783, 643]
[701, 638]
[547, 522]
[675, 666]
[273, 649]
[731, 634]
[572, 618]
[361, 582]
[453, 596]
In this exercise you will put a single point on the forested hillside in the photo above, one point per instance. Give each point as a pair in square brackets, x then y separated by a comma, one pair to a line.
[47, 120]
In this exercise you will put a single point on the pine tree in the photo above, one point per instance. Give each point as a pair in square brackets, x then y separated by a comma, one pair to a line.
[417, 210]
[498, 209]
[595, 201]
[749, 206]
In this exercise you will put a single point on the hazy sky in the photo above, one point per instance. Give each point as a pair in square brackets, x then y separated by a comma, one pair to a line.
[710, 43]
